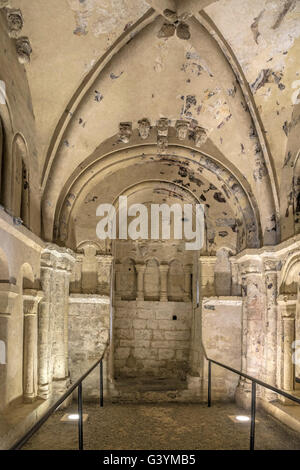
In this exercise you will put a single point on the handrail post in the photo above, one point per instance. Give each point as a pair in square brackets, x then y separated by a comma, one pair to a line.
[209, 385]
[80, 423]
[253, 411]
[101, 383]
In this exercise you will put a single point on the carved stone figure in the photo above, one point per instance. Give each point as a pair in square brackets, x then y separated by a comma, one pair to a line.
[163, 127]
[183, 31]
[162, 144]
[167, 30]
[182, 128]
[4, 3]
[24, 50]
[15, 22]
[200, 136]
[144, 128]
[125, 131]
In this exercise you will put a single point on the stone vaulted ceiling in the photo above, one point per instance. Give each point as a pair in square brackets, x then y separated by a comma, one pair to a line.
[96, 63]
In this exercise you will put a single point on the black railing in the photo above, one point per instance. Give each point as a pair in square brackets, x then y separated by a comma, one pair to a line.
[253, 393]
[78, 384]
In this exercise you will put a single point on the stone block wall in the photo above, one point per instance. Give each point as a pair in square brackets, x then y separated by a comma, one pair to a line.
[89, 320]
[222, 340]
[152, 338]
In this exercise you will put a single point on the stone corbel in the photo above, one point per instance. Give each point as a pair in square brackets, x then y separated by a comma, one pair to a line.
[24, 50]
[14, 22]
[125, 132]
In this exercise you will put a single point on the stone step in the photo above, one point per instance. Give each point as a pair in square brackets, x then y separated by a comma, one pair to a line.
[287, 414]
[152, 390]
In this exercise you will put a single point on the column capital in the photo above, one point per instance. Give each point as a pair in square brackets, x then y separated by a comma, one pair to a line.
[188, 268]
[272, 265]
[140, 267]
[31, 299]
[55, 257]
[164, 268]
[287, 306]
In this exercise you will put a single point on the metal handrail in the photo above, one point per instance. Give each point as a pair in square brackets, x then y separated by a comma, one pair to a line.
[20, 443]
[253, 392]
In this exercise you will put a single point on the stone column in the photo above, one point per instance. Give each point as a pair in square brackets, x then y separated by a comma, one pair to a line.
[118, 281]
[253, 315]
[271, 274]
[164, 269]
[8, 296]
[75, 285]
[31, 299]
[187, 282]
[207, 275]
[104, 274]
[140, 268]
[56, 267]
[287, 309]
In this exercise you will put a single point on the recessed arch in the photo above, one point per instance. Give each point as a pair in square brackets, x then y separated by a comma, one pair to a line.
[224, 179]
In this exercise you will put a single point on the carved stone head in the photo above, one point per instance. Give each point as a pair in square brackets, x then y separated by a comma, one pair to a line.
[14, 22]
[144, 128]
[200, 135]
[163, 127]
[182, 128]
[24, 50]
[125, 131]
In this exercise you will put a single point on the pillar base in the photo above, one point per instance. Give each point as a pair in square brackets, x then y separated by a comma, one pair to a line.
[243, 395]
[29, 398]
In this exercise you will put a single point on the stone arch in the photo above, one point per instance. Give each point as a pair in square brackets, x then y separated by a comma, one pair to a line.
[237, 187]
[176, 281]
[261, 167]
[27, 276]
[290, 274]
[152, 280]
[20, 179]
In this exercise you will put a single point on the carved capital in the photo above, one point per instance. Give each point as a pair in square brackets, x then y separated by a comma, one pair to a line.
[54, 257]
[31, 299]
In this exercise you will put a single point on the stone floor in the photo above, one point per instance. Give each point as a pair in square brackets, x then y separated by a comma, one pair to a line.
[167, 426]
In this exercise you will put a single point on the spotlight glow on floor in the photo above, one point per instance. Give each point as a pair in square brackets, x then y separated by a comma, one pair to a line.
[242, 419]
[73, 417]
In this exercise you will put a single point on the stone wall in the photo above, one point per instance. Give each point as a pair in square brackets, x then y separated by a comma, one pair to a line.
[152, 338]
[89, 320]
[222, 340]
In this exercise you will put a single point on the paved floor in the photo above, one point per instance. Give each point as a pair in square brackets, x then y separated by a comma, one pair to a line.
[167, 426]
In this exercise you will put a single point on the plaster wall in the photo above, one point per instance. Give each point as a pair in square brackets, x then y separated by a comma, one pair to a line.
[222, 340]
